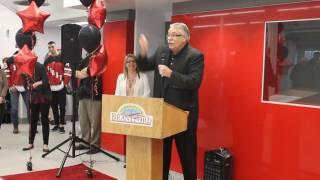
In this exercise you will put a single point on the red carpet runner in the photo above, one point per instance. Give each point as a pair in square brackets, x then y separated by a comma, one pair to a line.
[77, 172]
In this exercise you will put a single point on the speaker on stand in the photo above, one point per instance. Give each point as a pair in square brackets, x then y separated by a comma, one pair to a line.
[71, 53]
[70, 47]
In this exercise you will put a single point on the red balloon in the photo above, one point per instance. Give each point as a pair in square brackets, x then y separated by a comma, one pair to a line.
[38, 2]
[98, 62]
[25, 61]
[32, 18]
[97, 13]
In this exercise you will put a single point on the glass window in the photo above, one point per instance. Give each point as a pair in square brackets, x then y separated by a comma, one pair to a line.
[292, 62]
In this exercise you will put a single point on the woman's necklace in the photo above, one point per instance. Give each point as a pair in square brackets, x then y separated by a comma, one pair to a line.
[130, 84]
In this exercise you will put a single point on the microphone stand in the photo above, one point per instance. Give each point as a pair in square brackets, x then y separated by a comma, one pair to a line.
[73, 137]
[29, 94]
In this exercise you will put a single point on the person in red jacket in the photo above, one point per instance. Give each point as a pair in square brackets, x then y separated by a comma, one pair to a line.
[58, 77]
[15, 89]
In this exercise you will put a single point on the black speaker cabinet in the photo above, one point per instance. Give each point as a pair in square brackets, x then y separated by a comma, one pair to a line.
[217, 165]
[70, 47]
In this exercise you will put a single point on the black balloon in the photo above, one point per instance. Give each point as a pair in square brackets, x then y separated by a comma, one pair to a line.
[86, 3]
[27, 38]
[38, 2]
[89, 38]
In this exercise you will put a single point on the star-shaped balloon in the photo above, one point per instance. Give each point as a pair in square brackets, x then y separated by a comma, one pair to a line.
[32, 18]
[97, 13]
[98, 62]
[25, 62]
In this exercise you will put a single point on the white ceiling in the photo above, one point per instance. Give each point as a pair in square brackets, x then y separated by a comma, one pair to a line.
[55, 8]
[71, 11]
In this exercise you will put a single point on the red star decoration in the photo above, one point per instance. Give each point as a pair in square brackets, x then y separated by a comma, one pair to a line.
[25, 61]
[32, 18]
[98, 62]
[97, 13]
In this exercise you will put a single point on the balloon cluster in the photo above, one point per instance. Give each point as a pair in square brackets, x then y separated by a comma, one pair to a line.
[33, 20]
[90, 37]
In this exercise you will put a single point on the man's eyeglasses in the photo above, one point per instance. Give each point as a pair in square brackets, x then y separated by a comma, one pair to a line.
[49, 47]
[174, 35]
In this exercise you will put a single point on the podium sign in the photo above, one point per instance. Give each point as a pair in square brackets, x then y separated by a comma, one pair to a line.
[145, 121]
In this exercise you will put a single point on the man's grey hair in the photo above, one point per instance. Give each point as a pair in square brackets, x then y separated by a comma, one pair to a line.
[183, 27]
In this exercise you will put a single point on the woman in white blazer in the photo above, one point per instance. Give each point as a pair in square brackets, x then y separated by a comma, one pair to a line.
[132, 82]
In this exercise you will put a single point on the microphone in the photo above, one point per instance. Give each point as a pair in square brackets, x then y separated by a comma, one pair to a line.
[163, 59]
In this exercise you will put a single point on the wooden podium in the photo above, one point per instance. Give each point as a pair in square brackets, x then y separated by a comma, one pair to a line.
[145, 121]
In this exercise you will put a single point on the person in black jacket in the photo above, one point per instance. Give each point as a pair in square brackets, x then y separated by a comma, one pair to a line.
[41, 96]
[90, 107]
[177, 78]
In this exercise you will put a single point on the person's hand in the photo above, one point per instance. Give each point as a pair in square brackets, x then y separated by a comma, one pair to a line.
[143, 42]
[164, 71]
[12, 89]
[82, 74]
[36, 84]
[2, 100]
[5, 65]
[84, 70]
[68, 88]
[77, 74]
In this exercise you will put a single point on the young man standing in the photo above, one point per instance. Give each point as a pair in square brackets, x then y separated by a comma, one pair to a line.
[55, 71]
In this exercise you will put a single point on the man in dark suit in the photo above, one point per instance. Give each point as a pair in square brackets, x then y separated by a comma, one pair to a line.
[177, 78]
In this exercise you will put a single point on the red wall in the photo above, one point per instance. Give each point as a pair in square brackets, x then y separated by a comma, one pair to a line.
[118, 41]
[269, 141]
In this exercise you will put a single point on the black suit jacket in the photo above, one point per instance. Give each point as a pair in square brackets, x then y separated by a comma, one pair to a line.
[90, 87]
[181, 89]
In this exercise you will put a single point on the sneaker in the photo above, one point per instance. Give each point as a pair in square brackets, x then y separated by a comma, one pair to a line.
[55, 128]
[61, 130]
[15, 131]
[81, 147]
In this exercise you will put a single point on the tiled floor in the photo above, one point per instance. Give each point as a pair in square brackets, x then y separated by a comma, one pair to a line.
[13, 159]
